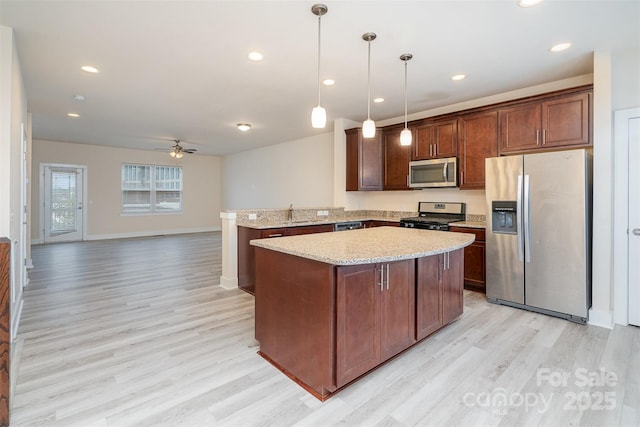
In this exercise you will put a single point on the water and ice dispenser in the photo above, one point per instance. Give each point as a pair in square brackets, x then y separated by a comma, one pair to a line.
[504, 217]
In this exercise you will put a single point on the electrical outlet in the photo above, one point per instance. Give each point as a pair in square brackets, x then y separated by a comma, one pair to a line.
[253, 216]
[319, 213]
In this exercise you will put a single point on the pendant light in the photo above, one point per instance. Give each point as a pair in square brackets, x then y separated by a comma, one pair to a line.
[405, 135]
[319, 114]
[369, 126]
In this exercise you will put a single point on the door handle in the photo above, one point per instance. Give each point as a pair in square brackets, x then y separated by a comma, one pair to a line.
[636, 231]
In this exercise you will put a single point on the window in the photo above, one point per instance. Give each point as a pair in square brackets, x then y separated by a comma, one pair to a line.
[149, 188]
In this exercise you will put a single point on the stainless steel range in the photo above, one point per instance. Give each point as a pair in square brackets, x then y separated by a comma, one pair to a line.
[435, 216]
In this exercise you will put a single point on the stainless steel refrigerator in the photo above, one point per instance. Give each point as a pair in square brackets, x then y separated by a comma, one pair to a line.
[539, 232]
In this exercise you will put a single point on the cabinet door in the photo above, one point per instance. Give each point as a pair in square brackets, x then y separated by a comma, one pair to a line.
[474, 270]
[396, 161]
[474, 259]
[424, 142]
[477, 140]
[520, 127]
[446, 136]
[565, 121]
[452, 285]
[363, 162]
[436, 140]
[357, 316]
[428, 296]
[397, 308]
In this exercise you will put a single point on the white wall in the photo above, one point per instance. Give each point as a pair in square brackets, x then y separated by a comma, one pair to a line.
[298, 172]
[202, 190]
[13, 115]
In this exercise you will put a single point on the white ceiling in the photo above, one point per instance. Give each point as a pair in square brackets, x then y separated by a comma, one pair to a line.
[179, 69]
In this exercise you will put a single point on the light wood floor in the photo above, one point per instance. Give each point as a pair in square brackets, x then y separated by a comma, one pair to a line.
[137, 332]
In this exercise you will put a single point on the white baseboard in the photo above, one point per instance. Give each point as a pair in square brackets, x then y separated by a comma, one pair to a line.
[40, 241]
[603, 319]
[228, 283]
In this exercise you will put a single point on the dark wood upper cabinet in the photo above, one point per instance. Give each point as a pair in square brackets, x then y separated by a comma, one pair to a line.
[437, 139]
[559, 122]
[477, 140]
[396, 161]
[364, 161]
[565, 121]
[551, 121]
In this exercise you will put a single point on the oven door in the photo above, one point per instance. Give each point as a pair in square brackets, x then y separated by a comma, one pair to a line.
[433, 173]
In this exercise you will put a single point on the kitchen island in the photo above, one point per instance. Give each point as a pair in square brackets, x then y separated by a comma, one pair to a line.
[330, 307]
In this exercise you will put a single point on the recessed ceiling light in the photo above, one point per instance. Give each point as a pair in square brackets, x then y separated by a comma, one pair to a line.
[528, 3]
[243, 126]
[255, 56]
[378, 100]
[79, 97]
[90, 69]
[560, 47]
[74, 115]
[328, 82]
[457, 77]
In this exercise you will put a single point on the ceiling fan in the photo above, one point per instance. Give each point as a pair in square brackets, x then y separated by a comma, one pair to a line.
[178, 150]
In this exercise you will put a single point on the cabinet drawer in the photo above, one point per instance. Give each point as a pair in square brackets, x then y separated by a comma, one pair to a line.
[272, 232]
[479, 232]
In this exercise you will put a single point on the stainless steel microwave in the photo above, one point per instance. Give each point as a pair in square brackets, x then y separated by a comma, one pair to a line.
[433, 173]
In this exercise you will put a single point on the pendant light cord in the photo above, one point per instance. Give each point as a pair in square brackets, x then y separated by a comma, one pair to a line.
[369, 81]
[405, 94]
[319, 26]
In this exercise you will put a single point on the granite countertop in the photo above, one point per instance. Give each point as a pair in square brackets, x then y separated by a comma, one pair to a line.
[367, 245]
[271, 223]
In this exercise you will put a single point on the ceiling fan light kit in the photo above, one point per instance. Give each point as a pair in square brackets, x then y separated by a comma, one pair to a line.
[368, 126]
[319, 114]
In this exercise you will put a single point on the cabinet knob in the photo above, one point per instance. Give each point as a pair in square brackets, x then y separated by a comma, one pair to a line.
[636, 231]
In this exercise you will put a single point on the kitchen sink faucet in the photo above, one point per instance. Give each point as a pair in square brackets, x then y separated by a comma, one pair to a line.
[290, 213]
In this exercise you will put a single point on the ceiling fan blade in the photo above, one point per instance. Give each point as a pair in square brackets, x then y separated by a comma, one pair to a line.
[189, 150]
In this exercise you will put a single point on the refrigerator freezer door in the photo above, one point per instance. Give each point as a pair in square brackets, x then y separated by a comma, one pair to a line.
[504, 271]
[556, 271]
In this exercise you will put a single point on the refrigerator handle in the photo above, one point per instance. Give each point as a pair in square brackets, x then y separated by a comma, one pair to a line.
[519, 220]
[527, 218]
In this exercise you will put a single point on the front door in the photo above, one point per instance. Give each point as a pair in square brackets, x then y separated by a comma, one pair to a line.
[63, 203]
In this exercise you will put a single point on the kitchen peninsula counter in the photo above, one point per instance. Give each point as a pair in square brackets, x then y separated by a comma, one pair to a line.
[331, 307]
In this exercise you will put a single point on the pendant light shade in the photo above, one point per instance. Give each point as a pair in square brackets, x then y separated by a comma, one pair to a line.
[319, 114]
[318, 117]
[368, 126]
[405, 136]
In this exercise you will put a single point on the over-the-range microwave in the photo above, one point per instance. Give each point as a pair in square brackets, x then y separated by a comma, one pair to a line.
[433, 173]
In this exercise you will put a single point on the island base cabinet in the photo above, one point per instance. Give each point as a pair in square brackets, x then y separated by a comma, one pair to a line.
[439, 284]
[375, 306]
[324, 325]
[294, 318]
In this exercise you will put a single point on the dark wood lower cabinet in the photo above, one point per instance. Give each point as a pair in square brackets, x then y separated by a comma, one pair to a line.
[439, 291]
[246, 257]
[375, 308]
[474, 260]
[324, 325]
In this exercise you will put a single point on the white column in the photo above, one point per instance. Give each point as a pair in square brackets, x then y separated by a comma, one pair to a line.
[601, 313]
[229, 278]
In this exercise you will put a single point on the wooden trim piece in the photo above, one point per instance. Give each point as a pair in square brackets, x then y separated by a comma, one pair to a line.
[5, 328]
